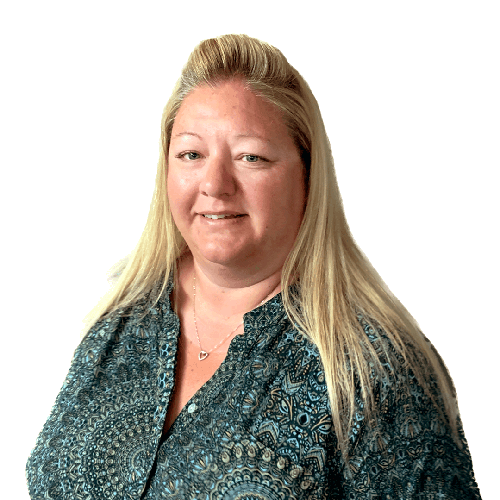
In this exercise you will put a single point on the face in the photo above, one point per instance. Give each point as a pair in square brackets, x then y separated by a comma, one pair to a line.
[235, 179]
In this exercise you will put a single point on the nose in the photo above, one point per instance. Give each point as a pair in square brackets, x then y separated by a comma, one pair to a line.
[218, 179]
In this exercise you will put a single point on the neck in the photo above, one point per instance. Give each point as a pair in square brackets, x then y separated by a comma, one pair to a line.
[225, 296]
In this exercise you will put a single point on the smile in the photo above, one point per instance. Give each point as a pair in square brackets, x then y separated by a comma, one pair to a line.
[221, 216]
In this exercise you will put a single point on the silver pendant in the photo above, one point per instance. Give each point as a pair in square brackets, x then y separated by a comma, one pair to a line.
[202, 355]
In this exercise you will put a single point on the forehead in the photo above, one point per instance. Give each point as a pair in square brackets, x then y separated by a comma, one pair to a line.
[232, 105]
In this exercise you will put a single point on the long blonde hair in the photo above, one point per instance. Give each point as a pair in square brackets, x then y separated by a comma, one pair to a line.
[337, 282]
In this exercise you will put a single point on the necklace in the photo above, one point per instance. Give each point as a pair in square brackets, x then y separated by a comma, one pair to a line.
[204, 354]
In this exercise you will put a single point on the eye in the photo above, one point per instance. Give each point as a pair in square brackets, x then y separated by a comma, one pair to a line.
[254, 158]
[188, 155]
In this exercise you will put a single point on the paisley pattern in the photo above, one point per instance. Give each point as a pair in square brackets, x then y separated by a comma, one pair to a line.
[259, 429]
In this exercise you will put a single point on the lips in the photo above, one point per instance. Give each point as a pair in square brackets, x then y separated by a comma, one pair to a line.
[222, 216]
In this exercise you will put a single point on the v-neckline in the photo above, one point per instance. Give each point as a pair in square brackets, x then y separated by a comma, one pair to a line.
[188, 406]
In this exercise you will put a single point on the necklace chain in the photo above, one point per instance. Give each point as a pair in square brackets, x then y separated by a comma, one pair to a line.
[204, 354]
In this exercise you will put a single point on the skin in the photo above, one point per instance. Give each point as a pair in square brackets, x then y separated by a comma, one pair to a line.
[230, 153]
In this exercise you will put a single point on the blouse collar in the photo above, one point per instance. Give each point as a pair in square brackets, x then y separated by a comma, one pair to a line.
[269, 313]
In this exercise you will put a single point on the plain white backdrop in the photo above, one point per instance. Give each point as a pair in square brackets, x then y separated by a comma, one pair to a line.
[409, 96]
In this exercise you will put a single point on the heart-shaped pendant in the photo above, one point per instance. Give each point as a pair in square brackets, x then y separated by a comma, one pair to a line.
[202, 355]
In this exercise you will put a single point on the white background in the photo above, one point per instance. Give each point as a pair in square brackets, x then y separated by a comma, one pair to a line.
[409, 95]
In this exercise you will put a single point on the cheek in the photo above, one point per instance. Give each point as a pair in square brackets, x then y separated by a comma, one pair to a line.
[175, 198]
[178, 191]
[280, 202]
[290, 193]
[170, 190]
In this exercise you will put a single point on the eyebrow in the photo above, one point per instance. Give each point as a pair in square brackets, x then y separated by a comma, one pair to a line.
[239, 136]
[253, 136]
[187, 133]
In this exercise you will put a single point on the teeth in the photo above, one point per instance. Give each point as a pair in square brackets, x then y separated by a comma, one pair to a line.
[221, 216]
[216, 216]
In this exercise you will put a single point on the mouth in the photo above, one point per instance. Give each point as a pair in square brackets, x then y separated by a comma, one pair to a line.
[222, 216]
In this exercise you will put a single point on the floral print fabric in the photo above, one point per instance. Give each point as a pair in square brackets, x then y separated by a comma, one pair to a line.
[260, 428]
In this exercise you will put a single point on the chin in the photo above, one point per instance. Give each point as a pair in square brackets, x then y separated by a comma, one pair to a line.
[228, 257]
[226, 260]
[223, 252]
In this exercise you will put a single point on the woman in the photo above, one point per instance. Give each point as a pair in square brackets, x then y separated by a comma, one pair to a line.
[248, 349]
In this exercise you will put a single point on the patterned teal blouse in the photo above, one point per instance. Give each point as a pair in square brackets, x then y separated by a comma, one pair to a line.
[259, 429]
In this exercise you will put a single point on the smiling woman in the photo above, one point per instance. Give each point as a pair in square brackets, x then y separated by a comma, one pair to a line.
[248, 349]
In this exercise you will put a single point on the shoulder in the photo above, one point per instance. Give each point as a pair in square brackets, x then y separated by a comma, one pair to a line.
[406, 382]
[127, 340]
[405, 447]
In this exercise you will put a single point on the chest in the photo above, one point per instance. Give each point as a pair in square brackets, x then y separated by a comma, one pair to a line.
[191, 374]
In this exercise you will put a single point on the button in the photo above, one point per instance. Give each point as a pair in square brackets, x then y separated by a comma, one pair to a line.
[191, 408]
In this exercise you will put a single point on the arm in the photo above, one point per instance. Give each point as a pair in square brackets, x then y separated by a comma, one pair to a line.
[411, 455]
